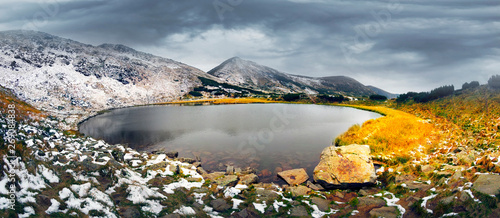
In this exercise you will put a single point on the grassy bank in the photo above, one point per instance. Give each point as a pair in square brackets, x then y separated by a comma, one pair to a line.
[395, 135]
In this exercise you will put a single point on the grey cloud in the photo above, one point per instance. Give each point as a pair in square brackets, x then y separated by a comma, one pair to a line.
[301, 37]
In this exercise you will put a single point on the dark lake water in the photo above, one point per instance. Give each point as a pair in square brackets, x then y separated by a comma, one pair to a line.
[267, 137]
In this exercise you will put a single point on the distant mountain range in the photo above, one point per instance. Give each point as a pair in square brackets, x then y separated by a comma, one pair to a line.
[252, 75]
[383, 92]
[58, 74]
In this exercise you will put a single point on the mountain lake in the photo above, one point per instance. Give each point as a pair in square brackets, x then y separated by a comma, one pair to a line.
[267, 137]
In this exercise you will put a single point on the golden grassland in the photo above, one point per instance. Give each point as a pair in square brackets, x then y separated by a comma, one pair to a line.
[22, 109]
[223, 101]
[397, 134]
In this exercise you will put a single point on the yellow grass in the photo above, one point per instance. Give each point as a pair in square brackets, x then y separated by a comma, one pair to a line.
[397, 134]
[224, 101]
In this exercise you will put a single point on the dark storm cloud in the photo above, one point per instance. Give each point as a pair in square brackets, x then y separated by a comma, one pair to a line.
[378, 42]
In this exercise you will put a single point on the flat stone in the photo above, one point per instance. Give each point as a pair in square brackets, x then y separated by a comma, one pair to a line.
[345, 167]
[315, 187]
[266, 195]
[230, 170]
[447, 200]
[386, 212]
[427, 168]
[323, 204]
[421, 186]
[295, 176]
[487, 184]
[248, 179]
[246, 213]
[299, 211]
[299, 190]
[213, 176]
[227, 180]
[371, 201]
[220, 205]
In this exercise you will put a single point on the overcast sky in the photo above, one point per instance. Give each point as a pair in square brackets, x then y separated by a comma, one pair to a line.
[396, 45]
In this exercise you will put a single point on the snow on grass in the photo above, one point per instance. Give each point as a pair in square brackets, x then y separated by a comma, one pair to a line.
[198, 197]
[4, 203]
[28, 211]
[318, 213]
[27, 182]
[236, 203]
[424, 202]
[391, 202]
[65, 193]
[82, 190]
[3, 184]
[231, 192]
[54, 207]
[140, 194]
[169, 189]
[158, 159]
[277, 205]
[260, 207]
[98, 195]
[48, 174]
[185, 211]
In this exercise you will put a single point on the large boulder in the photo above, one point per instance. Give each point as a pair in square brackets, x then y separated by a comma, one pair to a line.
[487, 184]
[345, 167]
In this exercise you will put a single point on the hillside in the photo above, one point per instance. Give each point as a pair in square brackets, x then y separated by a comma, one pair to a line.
[383, 92]
[249, 74]
[66, 76]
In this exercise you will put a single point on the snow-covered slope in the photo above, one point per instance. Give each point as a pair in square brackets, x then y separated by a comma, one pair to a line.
[58, 74]
[249, 74]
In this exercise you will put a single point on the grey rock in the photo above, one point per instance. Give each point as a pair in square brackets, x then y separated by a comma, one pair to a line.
[323, 204]
[220, 205]
[299, 211]
[386, 212]
[487, 184]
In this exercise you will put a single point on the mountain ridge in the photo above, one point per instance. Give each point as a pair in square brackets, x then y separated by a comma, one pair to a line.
[238, 71]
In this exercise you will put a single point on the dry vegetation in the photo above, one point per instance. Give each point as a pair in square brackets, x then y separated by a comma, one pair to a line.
[397, 134]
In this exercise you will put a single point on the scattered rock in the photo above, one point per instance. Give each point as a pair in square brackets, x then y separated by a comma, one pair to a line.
[421, 186]
[299, 190]
[464, 197]
[227, 180]
[174, 215]
[187, 160]
[323, 204]
[427, 168]
[237, 170]
[447, 200]
[246, 213]
[487, 184]
[213, 176]
[345, 167]
[201, 171]
[248, 179]
[386, 212]
[266, 195]
[129, 212]
[265, 173]
[370, 202]
[295, 176]
[456, 176]
[405, 178]
[315, 187]
[230, 170]
[299, 211]
[220, 205]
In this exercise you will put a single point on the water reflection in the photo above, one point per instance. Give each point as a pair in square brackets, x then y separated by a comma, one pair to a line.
[268, 137]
